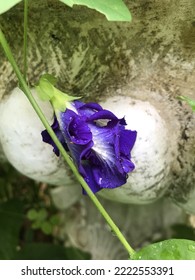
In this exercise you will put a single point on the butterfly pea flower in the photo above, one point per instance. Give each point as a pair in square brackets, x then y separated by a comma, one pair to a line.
[95, 138]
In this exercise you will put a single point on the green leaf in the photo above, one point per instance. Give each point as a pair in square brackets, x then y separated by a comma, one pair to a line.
[32, 214]
[188, 100]
[5, 5]
[45, 251]
[54, 220]
[172, 249]
[45, 87]
[46, 227]
[114, 10]
[42, 214]
[36, 225]
[37, 215]
[52, 79]
[11, 219]
[46, 91]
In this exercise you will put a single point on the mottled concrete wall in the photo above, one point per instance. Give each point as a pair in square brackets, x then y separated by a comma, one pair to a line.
[150, 59]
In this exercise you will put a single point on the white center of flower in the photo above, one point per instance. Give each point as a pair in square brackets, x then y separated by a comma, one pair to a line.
[102, 147]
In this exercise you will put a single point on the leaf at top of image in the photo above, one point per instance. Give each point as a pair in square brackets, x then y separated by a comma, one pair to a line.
[172, 249]
[114, 10]
[5, 5]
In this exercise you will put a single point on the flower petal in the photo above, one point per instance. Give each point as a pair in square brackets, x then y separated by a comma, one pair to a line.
[110, 167]
[104, 115]
[127, 141]
[77, 135]
[75, 128]
[87, 109]
[98, 143]
[47, 138]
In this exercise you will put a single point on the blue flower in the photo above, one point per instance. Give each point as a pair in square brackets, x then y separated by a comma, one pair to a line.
[98, 142]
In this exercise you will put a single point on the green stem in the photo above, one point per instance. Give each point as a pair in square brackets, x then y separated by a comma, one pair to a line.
[69, 161]
[25, 46]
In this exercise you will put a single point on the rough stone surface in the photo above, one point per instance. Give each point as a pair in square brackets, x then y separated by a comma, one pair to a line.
[151, 59]
[141, 225]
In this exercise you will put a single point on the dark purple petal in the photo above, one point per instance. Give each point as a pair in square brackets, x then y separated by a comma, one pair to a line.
[101, 150]
[104, 115]
[122, 121]
[87, 109]
[78, 136]
[107, 158]
[77, 104]
[47, 138]
[127, 165]
[98, 143]
[83, 106]
[104, 174]
[75, 128]
[127, 141]
[88, 174]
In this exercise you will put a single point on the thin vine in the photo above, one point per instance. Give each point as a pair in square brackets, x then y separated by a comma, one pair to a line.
[25, 46]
